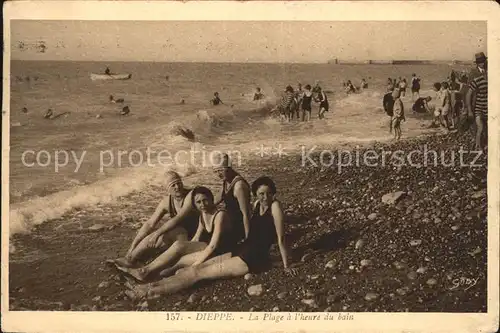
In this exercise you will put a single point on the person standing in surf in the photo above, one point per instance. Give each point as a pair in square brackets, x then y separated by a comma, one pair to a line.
[181, 225]
[415, 87]
[306, 102]
[216, 100]
[398, 114]
[324, 106]
[235, 196]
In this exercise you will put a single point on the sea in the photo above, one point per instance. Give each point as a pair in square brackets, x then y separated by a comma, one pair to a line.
[89, 153]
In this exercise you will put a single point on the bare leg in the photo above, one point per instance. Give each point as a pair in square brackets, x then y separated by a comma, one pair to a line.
[177, 250]
[220, 268]
[479, 132]
[176, 234]
[184, 261]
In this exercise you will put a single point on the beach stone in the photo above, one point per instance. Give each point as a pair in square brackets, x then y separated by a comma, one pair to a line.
[310, 302]
[193, 298]
[330, 264]
[372, 216]
[359, 244]
[365, 262]
[392, 198]
[97, 227]
[437, 220]
[282, 295]
[215, 298]
[477, 250]
[276, 309]
[479, 194]
[255, 290]
[421, 270]
[402, 291]
[398, 265]
[371, 296]
[431, 282]
[204, 298]
[415, 242]
[328, 309]
[96, 299]
[103, 284]
[248, 276]
[306, 257]
[412, 275]
[455, 227]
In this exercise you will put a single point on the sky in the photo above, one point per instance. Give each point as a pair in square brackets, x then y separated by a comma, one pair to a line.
[246, 41]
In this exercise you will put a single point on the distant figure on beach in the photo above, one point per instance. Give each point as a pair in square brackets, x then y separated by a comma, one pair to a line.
[398, 114]
[216, 100]
[113, 100]
[324, 106]
[214, 236]
[364, 84]
[456, 100]
[182, 101]
[287, 104]
[154, 236]
[390, 85]
[125, 111]
[421, 105]
[445, 105]
[107, 71]
[258, 94]
[48, 114]
[167, 78]
[250, 256]
[316, 88]
[349, 89]
[402, 87]
[477, 100]
[235, 196]
[24, 110]
[415, 87]
[305, 104]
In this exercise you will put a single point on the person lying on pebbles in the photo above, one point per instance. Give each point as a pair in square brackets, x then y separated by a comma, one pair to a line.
[179, 228]
[214, 236]
[267, 228]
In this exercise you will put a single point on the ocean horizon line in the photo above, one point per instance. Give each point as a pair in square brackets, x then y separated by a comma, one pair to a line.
[330, 62]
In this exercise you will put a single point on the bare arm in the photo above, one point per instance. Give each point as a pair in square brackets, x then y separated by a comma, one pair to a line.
[146, 228]
[197, 235]
[279, 218]
[468, 101]
[242, 193]
[186, 209]
[220, 219]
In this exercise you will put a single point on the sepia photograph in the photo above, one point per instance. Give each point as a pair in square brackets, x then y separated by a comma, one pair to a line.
[269, 169]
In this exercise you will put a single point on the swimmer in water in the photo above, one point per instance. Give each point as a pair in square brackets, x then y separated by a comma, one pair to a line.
[258, 94]
[216, 100]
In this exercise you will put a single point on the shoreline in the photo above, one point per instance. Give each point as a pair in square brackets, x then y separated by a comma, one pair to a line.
[327, 215]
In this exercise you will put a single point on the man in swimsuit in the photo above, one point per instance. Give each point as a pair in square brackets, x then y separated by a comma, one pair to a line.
[181, 225]
[107, 71]
[216, 100]
[235, 196]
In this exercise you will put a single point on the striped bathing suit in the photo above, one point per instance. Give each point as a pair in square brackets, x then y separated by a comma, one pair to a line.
[479, 85]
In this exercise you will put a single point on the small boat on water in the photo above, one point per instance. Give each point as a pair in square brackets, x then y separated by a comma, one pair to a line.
[94, 76]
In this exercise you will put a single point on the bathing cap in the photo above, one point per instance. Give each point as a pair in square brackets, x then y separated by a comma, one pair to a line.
[172, 178]
[222, 162]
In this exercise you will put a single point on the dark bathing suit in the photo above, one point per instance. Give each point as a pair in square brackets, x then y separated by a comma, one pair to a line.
[190, 223]
[306, 102]
[254, 251]
[233, 207]
[323, 102]
[419, 105]
[227, 240]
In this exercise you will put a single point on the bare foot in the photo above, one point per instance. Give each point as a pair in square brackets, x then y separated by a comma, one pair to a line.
[124, 262]
[137, 273]
[136, 294]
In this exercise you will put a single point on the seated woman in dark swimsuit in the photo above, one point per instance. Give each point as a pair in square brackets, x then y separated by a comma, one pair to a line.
[267, 227]
[213, 237]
